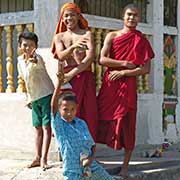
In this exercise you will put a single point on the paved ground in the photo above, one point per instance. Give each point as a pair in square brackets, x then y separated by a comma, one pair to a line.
[166, 167]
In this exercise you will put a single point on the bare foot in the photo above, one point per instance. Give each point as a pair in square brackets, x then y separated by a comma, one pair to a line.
[44, 165]
[34, 163]
[124, 173]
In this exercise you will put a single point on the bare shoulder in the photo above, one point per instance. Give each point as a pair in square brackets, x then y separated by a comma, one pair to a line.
[89, 33]
[110, 36]
[59, 36]
[85, 33]
[113, 34]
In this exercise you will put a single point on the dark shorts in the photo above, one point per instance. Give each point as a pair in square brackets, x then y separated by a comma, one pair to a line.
[41, 111]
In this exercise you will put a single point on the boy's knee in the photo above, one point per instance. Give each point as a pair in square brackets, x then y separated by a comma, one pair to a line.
[47, 128]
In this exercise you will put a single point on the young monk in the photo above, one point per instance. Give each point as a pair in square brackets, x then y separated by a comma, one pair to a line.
[126, 54]
[74, 44]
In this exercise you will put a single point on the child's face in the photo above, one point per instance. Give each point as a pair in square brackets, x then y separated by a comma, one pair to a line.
[68, 110]
[131, 17]
[70, 19]
[27, 46]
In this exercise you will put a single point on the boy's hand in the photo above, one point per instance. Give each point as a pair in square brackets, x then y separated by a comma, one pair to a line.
[88, 161]
[60, 73]
[32, 60]
[32, 57]
[60, 76]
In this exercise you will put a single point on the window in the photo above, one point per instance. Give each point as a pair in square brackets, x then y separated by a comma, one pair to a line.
[110, 8]
[7, 6]
[170, 12]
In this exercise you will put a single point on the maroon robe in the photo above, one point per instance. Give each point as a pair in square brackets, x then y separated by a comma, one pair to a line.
[117, 100]
[83, 85]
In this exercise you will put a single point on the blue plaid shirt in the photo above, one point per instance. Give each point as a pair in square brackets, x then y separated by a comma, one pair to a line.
[72, 138]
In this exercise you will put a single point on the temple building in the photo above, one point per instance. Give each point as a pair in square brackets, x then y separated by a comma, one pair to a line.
[158, 116]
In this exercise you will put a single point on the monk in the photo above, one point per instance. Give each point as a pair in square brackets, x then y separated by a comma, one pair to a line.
[126, 54]
[74, 45]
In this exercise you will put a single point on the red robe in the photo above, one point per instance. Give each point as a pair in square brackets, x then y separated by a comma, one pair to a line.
[83, 85]
[117, 100]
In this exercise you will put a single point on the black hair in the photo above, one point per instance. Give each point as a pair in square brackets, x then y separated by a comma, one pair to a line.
[67, 96]
[28, 35]
[129, 6]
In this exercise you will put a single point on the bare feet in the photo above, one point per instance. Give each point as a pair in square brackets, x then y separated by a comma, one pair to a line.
[34, 163]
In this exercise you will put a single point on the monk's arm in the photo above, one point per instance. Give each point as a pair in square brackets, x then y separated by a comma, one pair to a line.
[86, 62]
[141, 70]
[64, 53]
[144, 69]
[105, 60]
[61, 52]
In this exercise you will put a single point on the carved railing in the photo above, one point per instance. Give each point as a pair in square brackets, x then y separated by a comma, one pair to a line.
[7, 60]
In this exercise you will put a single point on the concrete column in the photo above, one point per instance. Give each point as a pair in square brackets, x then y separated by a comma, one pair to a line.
[46, 15]
[158, 46]
[178, 72]
[155, 122]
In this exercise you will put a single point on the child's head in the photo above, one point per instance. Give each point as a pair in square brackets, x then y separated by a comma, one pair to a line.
[28, 41]
[71, 17]
[67, 106]
[131, 15]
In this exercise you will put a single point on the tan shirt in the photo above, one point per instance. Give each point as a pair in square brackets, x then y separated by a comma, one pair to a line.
[37, 80]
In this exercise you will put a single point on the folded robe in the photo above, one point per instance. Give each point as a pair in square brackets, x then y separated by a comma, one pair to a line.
[117, 100]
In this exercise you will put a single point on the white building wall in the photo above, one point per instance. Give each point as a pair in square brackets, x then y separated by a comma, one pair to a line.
[17, 118]
[178, 73]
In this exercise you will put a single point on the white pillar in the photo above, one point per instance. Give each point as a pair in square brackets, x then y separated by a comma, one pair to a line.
[46, 15]
[158, 28]
[178, 72]
[155, 122]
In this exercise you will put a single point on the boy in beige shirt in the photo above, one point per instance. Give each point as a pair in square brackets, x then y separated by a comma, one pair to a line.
[39, 87]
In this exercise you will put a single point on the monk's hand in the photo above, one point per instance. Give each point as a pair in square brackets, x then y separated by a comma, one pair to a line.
[81, 43]
[129, 65]
[67, 77]
[114, 75]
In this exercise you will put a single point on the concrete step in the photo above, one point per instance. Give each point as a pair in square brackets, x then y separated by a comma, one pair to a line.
[166, 173]
[158, 170]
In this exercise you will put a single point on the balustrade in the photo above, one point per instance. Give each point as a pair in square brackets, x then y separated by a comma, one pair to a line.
[8, 60]
[8, 83]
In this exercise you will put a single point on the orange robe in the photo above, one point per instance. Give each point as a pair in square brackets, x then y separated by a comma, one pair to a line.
[83, 84]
